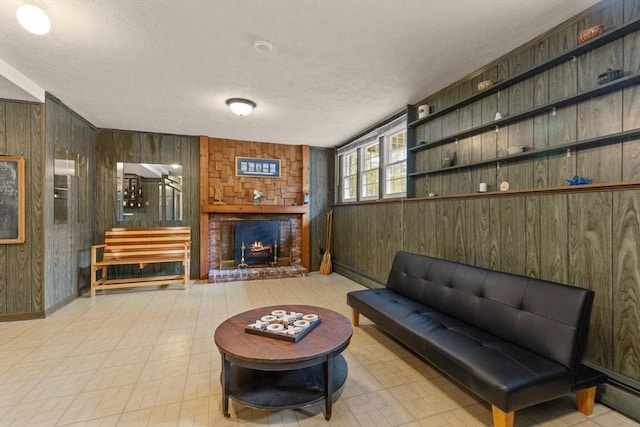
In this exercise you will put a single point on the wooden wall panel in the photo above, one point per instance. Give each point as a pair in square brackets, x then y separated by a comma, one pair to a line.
[533, 264]
[513, 235]
[482, 232]
[590, 248]
[21, 265]
[626, 283]
[554, 231]
[114, 146]
[67, 245]
[18, 266]
[321, 194]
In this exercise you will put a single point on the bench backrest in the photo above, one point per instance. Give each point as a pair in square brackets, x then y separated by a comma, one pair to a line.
[548, 318]
[146, 242]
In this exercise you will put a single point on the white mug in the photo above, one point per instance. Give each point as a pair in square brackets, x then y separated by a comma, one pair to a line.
[483, 187]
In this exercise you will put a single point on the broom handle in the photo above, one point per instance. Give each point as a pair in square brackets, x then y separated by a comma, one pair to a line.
[329, 225]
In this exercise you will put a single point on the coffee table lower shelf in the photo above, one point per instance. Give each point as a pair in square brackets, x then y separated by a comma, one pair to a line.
[285, 389]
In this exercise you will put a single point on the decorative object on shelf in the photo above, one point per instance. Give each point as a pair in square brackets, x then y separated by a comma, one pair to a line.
[485, 84]
[483, 187]
[589, 33]
[504, 186]
[421, 142]
[257, 197]
[432, 195]
[448, 159]
[498, 115]
[610, 76]
[515, 149]
[578, 180]
[284, 325]
[424, 110]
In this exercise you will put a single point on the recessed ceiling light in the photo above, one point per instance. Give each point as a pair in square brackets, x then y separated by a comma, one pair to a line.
[33, 18]
[241, 106]
[263, 46]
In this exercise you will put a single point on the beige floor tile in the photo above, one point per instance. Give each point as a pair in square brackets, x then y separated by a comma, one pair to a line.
[146, 357]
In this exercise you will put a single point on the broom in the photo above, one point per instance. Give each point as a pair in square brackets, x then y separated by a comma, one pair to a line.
[325, 264]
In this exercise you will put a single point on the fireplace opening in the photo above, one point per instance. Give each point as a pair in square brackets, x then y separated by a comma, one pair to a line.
[255, 243]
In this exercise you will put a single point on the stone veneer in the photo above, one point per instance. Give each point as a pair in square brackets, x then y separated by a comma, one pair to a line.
[217, 275]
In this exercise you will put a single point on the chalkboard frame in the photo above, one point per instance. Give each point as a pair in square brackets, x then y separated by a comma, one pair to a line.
[19, 211]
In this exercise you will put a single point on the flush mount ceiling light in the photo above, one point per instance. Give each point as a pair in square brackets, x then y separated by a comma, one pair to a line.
[263, 46]
[32, 16]
[241, 106]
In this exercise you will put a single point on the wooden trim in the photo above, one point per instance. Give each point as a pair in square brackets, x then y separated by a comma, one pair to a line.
[609, 186]
[21, 316]
[255, 209]
[204, 201]
[501, 418]
[305, 249]
[585, 400]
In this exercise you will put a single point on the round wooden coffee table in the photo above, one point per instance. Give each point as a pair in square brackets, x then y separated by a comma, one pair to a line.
[270, 373]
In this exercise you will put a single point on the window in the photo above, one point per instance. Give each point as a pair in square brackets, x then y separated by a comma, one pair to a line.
[396, 165]
[350, 176]
[370, 171]
[374, 165]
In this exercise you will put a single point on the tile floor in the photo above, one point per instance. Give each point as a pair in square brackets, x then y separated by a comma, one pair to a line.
[146, 357]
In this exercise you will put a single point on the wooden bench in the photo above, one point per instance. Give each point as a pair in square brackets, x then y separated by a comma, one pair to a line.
[142, 246]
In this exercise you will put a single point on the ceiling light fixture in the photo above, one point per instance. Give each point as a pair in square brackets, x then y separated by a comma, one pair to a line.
[32, 16]
[241, 106]
[263, 46]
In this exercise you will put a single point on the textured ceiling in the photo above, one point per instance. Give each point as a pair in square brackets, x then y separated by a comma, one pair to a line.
[337, 67]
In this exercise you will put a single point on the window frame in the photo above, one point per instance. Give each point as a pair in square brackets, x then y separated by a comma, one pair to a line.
[382, 137]
[390, 133]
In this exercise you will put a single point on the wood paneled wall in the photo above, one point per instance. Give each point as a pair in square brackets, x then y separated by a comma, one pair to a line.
[322, 162]
[589, 237]
[21, 265]
[67, 246]
[607, 114]
[114, 146]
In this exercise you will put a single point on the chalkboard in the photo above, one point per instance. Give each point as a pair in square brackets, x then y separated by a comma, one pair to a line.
[11, 199]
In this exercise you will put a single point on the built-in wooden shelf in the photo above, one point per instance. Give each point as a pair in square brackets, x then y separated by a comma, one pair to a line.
[608, 36]
[600, 140]
[256, 209]
[582, 96]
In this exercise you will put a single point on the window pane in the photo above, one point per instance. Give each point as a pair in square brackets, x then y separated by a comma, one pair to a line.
[372, 157]
[350, 183]
[350, 164]
[397, 147]
[370, 184]
[396, 179]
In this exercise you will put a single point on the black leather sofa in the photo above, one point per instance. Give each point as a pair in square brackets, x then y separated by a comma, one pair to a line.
[515, 341]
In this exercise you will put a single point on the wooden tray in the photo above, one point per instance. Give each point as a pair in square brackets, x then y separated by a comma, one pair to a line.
[283, 336]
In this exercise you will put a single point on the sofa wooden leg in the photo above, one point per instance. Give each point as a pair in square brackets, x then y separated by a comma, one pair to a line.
[585, 399]
[501, 418]
[355, 317]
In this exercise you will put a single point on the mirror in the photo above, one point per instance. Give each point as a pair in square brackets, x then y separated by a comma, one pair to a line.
[148, 192]
[70, 176]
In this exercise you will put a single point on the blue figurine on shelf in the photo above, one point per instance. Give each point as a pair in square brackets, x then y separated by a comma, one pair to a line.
[578, 180]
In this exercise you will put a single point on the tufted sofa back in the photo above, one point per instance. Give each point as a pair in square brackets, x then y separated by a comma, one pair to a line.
[550, 319]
